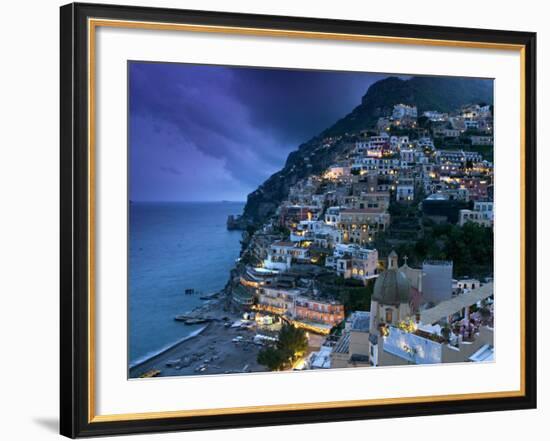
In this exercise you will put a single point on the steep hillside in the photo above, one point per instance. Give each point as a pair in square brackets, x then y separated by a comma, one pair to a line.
[427, 93]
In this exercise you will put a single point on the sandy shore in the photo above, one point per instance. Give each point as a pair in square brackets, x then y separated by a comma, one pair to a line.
[211, 351]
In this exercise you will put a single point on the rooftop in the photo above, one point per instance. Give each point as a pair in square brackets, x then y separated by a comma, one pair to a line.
[321, 359]
[361, 210]
[438, 262]
[264, 271]
[342, 347]
[282, 243]
[391, 288]
[485, 353]
[456, 304]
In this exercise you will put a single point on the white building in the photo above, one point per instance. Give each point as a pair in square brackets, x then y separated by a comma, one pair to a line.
[404, 191]
[374, 145]
[407, 155]
[466, 284]
[482, 214]
[481, 140]
[434, 115]
[332, 216]
[281, 254]
[335, 172]
[401, 111]
[352, 261]
[425, 143]
[399, 142]
[471, 124]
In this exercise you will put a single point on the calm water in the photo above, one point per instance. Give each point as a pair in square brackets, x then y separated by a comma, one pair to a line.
[174, 246]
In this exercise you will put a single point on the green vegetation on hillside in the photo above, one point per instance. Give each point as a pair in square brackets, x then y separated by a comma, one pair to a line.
[469, 247]
[350, 292]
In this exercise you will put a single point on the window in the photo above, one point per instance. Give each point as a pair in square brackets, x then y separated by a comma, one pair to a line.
[388, 315]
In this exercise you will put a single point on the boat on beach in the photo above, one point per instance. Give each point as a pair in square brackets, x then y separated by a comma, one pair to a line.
[191, 320]
[196, 321]
[150, 374]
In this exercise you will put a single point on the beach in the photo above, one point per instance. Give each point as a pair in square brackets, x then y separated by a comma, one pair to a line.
[174, 247]
[209, 350]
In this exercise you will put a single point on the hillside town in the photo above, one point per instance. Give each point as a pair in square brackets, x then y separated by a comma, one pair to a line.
[384, 258]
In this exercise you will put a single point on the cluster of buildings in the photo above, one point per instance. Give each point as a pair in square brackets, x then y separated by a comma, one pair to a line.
[329, 221]
[291, 295]
[404, 327]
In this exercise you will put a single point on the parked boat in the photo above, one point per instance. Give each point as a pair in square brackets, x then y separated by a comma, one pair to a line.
[150, 374]
[181, 318]
[190, 320]
[195, 321]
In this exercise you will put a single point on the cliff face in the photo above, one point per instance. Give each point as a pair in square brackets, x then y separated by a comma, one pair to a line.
[313, 157]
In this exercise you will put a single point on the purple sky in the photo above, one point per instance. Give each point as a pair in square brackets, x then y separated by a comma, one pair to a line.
[211, 133]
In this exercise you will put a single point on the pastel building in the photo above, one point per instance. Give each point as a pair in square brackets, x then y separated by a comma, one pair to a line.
[277, 300]
[318, 315]
[361, 225]
[353, 348]
[482, 214]
[354, 262]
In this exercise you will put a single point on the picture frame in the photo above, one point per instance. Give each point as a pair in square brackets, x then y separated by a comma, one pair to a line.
[79, 200]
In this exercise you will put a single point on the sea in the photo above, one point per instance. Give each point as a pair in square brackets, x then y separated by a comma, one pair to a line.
[174, 246]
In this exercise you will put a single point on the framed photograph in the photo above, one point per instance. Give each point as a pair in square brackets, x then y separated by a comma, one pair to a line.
[277, 220]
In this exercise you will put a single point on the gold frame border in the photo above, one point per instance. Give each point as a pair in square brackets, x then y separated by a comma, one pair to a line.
[92, 25]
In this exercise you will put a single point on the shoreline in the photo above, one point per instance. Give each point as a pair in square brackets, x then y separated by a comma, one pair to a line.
[158, 354]
[221, 349]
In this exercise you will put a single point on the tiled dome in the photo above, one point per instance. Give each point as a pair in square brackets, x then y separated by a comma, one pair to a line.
[391, 288]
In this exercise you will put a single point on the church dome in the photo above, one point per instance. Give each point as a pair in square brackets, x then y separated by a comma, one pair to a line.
[391, 288]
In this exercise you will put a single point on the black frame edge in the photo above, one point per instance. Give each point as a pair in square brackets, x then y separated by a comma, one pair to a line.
[67, 400]
[74, 226]
[73, 221]
[531, 219]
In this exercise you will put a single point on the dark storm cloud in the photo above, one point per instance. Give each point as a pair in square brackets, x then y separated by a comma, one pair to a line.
[247, 120]
[294, 105]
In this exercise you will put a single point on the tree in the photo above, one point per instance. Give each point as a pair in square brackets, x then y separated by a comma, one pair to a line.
[292, 341]
[424, 122]
[271, 358]
[292, 344]
[251, 229]
[446, 332]
[470, 247]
